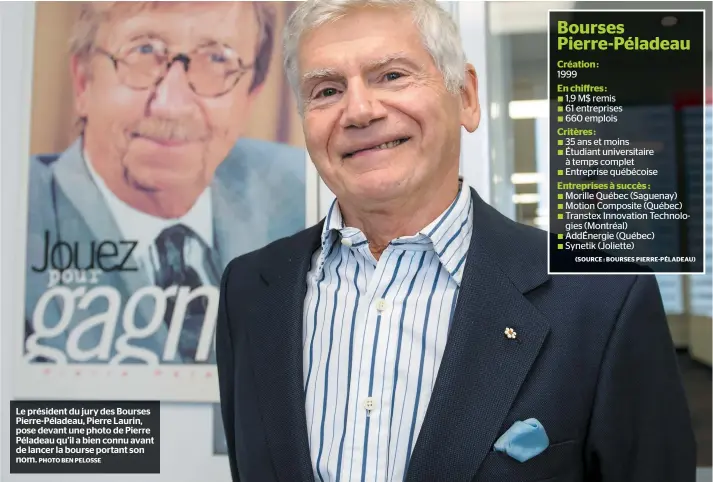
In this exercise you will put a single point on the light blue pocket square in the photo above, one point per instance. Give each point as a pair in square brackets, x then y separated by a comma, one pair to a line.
[523, 440]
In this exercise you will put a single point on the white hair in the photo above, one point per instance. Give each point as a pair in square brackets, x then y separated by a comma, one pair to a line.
[439, 34]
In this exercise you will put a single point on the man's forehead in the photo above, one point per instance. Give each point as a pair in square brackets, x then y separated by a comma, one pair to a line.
[362, 63]
[234, 23]
[329, 61]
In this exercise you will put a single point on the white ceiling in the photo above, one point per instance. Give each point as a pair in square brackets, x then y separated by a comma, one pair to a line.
[522, 17]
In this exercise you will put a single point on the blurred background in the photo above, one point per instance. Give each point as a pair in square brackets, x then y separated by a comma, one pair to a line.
[516, 72]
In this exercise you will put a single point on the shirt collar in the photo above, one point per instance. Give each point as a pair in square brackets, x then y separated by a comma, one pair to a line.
[333, 226]
[145, 228]
[449, 234]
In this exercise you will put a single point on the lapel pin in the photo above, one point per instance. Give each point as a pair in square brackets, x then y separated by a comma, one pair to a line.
[510, 333]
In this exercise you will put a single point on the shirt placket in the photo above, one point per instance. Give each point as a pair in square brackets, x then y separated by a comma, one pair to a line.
[372, 401]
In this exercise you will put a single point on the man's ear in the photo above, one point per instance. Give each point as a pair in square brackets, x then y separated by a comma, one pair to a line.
[470, 106]
[81, 76]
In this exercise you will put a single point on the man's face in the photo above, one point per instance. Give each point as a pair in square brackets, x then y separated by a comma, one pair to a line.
[168, 137]
[367, 81]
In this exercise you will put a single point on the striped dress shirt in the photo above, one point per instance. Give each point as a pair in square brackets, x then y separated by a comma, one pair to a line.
[374, 335]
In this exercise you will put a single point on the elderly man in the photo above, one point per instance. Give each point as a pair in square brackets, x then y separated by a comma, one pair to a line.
[414, 334]
[131, 226]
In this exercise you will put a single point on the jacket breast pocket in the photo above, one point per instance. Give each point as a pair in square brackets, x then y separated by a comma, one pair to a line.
[559, 459]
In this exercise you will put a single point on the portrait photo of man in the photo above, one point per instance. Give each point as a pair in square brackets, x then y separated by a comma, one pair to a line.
[162, 154]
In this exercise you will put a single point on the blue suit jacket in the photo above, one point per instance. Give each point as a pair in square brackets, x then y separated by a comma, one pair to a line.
[258, 196]
[593, 361]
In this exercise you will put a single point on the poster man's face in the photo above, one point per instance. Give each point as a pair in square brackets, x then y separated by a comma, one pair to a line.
[168, 129]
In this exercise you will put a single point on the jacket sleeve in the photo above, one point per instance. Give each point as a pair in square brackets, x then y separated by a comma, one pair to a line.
[226, 371]
[640, 428]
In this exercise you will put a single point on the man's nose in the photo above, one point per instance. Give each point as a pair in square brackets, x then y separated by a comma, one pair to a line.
[362, 106]
[173, 96]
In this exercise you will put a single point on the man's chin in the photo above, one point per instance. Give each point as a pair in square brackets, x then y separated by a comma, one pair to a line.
[166, 180]
[161, 158]
[377, 188]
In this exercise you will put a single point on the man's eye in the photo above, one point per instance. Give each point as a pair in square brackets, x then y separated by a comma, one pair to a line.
[327, 92]
[218, 58]
[393, 75]
[146, 49]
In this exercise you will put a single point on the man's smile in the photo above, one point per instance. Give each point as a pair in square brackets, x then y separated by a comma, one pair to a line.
[376, 147]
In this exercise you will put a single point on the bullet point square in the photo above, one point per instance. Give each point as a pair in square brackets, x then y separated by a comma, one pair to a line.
[560, 109]
[560, 172]
[560, 98]
[560, 152]
[560, 236]
[560, 118]
[560, 196]
[560, 216]
[560, 246]
[560, 206]
[560, 142]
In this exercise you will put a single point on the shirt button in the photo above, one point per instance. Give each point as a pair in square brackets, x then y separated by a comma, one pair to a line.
[381, 304]
[369, 403]
[347, 242]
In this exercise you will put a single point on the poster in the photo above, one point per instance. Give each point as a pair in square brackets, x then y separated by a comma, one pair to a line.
[164, 142]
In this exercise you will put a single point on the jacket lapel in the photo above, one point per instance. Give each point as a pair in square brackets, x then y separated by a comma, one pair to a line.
[482, 370]
[276, 347]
